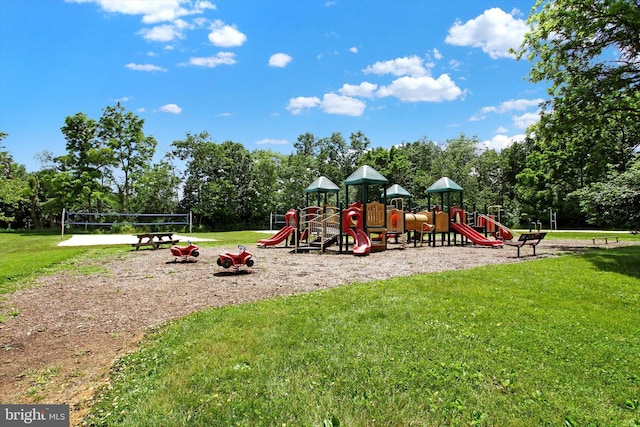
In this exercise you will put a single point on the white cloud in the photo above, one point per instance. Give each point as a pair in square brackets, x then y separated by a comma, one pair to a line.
[171, 108]
[363, 90]
[144, 67]
[151, 11]
[495, 32]
[502, 129]
[221, 58]
[422, 89]
[269, 141]
[526, 120]
[406, 66]
[436, 54]
[506, 107]
[500, 142]
[353, 49]
[226, 35]
[162, 33]
[297, 105]
[279, 60]
[343, 105]
[519, 104]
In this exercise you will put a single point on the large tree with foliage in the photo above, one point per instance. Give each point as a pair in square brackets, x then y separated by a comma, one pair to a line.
[156, 190]
[13, 186]
[218, 180]
[85, 178]
[587, 51]
[122, 132]
[615, 202]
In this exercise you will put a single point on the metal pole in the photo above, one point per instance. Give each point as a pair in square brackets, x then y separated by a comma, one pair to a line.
[62, 220]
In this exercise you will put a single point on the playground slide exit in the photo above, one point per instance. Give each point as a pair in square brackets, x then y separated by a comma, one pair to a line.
[474, 236]
[281, 235]
[362, 243]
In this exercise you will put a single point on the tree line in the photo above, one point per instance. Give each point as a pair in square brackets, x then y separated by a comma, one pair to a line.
[581, 159]
[108, 167]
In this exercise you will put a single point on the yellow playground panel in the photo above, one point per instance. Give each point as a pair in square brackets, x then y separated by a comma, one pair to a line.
[376, 229]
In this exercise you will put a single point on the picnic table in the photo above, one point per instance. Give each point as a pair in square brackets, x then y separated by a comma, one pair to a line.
[531, 239]
[155, 240]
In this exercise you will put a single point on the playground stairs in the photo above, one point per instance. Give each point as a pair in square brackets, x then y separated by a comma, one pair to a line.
[319, 244]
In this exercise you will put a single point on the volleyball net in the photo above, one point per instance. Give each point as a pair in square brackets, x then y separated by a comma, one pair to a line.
[109, 219]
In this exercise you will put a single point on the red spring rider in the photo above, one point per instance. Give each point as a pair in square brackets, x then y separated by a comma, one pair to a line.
[185, 252]
[228, 259]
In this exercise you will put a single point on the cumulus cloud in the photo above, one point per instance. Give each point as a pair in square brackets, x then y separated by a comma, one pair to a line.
[495, 32]
[221, 58]
[343, 105]
[500, 142]
[301, 103]
[363, 90]
[279, 60]
[422, 89]
[506, 107]
[223, 35]
[525, 120]
[145, 67]
[151, 11]
[353, 49]
[331, 103]
[406, 66]
[162, 33]
[171, 108]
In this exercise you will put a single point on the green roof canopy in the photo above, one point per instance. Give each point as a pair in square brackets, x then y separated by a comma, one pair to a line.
[365, 175]
[444, 185]
[322, 185]
[397, 190]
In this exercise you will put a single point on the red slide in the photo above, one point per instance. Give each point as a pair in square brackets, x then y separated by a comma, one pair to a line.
[474, 236]
[281, 235]
[362, 243]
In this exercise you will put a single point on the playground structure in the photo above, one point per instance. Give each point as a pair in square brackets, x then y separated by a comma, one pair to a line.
[367, 226]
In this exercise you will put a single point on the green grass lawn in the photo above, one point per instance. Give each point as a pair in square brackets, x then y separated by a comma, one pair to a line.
[544, 342]
[25, 255]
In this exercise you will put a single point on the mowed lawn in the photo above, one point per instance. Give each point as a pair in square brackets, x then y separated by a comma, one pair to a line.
[544, 342]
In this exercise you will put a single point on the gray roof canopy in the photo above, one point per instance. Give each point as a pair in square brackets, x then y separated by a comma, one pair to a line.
[366, 175]
[322, 185]
[444, 185]
[397, 190]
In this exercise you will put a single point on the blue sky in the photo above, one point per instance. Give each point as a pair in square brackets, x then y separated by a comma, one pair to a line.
[263, 72]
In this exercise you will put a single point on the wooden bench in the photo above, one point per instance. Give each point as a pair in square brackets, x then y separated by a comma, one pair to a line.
[531, 239]
[155, 240]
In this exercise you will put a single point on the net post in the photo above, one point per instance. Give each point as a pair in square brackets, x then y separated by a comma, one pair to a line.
[62, 221]
[190, 223]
